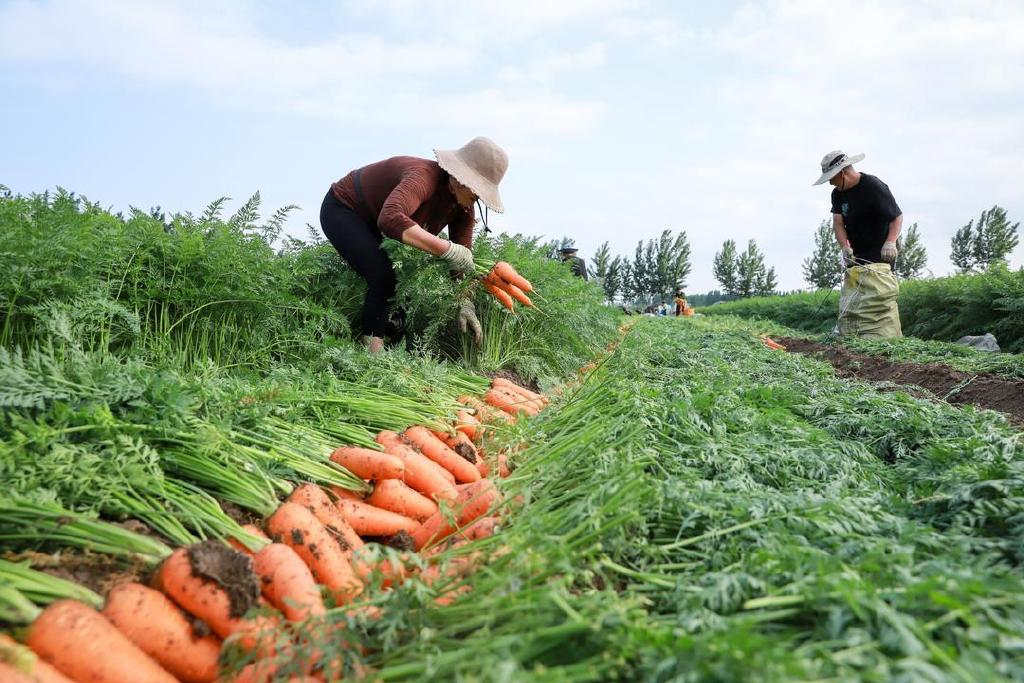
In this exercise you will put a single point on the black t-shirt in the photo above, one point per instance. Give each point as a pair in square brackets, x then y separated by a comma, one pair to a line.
[867, 209]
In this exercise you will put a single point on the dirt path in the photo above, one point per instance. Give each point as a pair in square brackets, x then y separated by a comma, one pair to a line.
[941, 381]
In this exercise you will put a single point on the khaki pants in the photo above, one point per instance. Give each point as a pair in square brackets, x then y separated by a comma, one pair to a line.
[867, 302]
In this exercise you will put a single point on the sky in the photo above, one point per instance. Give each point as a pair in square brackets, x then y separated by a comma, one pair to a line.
[621, 118]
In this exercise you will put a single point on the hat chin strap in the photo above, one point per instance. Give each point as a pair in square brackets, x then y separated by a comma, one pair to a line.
[482, 210]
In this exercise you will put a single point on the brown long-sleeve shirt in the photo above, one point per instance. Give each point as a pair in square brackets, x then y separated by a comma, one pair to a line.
[401, 192]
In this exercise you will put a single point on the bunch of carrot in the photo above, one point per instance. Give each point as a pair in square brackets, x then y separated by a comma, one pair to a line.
[428, 487]
[771, 343]
[505, 284]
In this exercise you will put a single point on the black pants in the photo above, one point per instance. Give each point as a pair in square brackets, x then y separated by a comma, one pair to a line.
[360, 245]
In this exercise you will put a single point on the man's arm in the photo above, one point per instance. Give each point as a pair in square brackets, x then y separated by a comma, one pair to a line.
[839, 228]
[895, 226]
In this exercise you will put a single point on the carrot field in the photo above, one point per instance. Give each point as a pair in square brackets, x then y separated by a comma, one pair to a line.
[203, 477]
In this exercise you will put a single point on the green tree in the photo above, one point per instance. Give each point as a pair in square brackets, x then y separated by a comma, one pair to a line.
[913, 257]
[671, 261]
[991, 239]
[823, 268]
[724, 267]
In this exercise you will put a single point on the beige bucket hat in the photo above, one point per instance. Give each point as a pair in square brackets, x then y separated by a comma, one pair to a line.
[479, 165]
[834, 162]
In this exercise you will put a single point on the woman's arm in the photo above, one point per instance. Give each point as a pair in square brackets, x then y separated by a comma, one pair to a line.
[424, 241]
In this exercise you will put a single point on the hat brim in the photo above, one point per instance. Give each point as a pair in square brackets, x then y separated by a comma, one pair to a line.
[481, 187]
[830, 174]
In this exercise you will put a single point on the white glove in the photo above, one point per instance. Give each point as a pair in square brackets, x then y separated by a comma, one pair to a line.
[848, 257]
[468, 321]
[459, 258]
[889, 252]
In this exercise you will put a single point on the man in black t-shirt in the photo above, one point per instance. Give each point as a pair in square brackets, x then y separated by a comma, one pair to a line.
[865, 216]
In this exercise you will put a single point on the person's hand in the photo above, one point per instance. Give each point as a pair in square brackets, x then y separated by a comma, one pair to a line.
[459, 258]
[848, 257]
[468, 321]
[889, 252]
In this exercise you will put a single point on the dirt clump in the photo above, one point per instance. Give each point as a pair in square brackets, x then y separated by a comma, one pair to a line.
[96, 571]
[229, 569]
[941, 382]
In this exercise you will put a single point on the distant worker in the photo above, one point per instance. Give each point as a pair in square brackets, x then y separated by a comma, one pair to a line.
[579, 266]
[680, 301]
[411, 200]
[867, 222]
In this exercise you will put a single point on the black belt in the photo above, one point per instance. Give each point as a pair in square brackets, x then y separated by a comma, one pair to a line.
[357, 185]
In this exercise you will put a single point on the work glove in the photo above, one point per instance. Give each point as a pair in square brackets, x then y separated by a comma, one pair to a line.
[889, 252]
[459, 258]
[848, 257]
[468, 321]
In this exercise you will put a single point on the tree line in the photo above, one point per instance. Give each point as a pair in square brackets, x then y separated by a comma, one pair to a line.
[660, 267]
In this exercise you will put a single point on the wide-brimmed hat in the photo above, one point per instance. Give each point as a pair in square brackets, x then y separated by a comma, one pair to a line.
[479, 165]
[568, 250]
[834, 162]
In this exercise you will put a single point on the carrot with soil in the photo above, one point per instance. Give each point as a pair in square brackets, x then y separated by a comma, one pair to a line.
[368, 464]
[287, 582]
[19, 663]
[396, 496]
[435, 449]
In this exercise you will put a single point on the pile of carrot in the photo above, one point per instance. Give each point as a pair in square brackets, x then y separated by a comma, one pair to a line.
[428, 488]
[507, 286]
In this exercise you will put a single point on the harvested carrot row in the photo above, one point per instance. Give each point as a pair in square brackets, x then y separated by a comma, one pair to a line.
[19, 663]
[297, 527]
[368, 520]
[421, 473]
[394, 495]
[287, 582]
[368, 464]
[436, 450]
[156, 625]
[323, 508]
[203, 597]
[80, 643]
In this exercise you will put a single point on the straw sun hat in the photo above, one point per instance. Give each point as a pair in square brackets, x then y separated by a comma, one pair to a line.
[834, 162]
[479, 165]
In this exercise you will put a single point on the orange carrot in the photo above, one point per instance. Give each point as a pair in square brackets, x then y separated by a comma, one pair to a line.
[506, 272]
[501, 295]
[368, 464]
[421, 473]
[19, 663]
[396, 496]
[347, 493]
[8, 674]
[503, 469]
[461, 444]
[84, 646]
[436, 450]
[518, 294]
[466, 424]
[205, 599]
[481, 528]
[509, 384]
[474, 501]
[507, 402]
[287, 582]
[323, 508]
[368, 520]
[485, 412]
[157, 626]
[295, 526]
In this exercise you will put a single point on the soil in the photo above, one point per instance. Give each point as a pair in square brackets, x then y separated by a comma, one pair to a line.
[940, 382]
[96, 571]
[229, 569]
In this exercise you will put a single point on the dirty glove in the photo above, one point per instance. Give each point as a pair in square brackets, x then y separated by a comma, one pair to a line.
[459, 258]
[468, 321]
[889, 252]
[848, 257]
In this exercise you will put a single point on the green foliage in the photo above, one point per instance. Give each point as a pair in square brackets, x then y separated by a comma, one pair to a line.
[913, 257]
[823, 268]
[744, 274]
[982, 244]
[943, 309]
